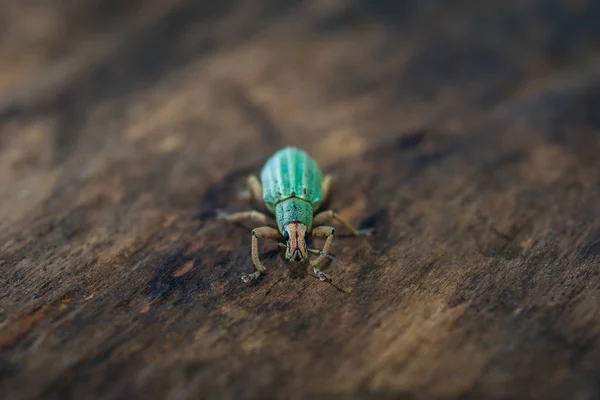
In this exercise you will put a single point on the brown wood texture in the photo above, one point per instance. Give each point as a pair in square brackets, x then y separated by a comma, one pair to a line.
[466, 133]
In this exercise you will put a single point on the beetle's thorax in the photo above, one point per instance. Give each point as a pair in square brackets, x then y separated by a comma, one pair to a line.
[295, 234]
[293, 210]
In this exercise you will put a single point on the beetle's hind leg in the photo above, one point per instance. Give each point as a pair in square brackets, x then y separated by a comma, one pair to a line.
[253, 191]
[326, 187]
[263, 232]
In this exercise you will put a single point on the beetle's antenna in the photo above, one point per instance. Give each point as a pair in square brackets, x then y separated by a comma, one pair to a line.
[317, 251]
[328, 255]
[328, 281]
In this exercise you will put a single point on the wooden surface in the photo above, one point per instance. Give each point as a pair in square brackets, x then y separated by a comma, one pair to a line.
[466, 133]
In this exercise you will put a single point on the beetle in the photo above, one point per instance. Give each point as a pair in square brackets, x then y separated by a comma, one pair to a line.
[292, 189]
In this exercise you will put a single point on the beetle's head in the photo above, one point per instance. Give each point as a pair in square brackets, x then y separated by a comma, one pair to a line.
[296, 234]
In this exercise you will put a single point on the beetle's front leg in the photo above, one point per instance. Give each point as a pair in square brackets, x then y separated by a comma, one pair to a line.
[324, 216]
[322, 232]
[263, 232]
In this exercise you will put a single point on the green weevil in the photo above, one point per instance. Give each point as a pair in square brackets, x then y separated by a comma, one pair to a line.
[292, 188]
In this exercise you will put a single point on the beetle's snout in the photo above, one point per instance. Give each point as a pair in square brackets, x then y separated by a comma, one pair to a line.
[294, 235]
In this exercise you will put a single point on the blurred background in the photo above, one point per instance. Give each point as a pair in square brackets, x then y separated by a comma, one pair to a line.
[89, 85]
[465, 132]
[114, 74]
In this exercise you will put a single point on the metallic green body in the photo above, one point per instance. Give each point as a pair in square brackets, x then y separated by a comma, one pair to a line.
[294, 210]
[292, 186]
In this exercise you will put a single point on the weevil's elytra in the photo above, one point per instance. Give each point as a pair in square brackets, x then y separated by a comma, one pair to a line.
[293, 189]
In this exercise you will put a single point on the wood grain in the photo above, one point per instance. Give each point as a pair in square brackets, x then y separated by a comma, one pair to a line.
[466, 134]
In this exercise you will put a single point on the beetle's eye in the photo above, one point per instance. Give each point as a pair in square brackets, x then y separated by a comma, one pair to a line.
[306, 237]
[286, 236]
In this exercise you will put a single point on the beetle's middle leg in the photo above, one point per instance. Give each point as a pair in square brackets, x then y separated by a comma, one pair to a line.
[263, 232]
[324, 216]
[251, 215]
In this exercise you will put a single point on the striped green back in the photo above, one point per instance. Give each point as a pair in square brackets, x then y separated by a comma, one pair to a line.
[291, 172]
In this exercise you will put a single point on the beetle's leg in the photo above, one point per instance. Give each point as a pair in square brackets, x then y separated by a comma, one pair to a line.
[251, 215]
[253, 191]
[263, 232]
[324, 216]
[254, 187]
[326, 186]
[322, 232]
